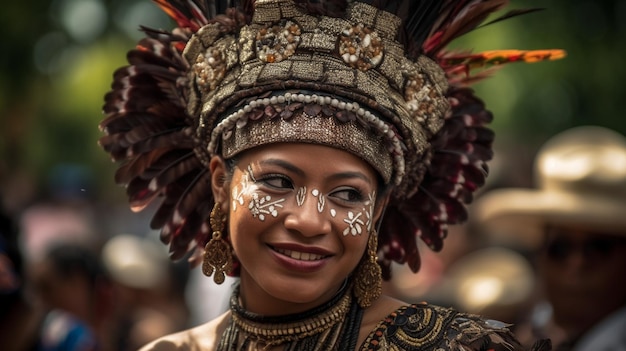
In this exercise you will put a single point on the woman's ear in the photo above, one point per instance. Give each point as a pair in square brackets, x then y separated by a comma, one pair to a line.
[219, 184]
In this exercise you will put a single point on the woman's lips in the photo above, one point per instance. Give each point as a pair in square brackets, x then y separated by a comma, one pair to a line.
[297, 255]
[300, 258]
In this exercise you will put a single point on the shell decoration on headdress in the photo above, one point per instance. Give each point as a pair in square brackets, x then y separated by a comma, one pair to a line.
[374, 72]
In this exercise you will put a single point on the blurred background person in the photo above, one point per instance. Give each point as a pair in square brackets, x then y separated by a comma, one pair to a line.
[149, 290]
[425, 285]
[19, 316]
[575, 220]
[471, 275]
[49, 221]
[60, 244]
[74, 291]
[52, 303]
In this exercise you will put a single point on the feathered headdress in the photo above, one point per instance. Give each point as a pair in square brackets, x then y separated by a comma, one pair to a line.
[375, 70]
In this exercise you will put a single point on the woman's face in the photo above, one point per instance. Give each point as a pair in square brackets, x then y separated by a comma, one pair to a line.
[299, 218]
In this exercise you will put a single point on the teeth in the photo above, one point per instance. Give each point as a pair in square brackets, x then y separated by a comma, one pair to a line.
[302, 256]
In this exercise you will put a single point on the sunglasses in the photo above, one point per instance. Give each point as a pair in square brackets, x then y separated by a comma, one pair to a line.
[593, 248]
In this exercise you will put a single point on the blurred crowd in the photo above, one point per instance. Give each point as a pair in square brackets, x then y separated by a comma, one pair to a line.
[65, 286]
[548, 259]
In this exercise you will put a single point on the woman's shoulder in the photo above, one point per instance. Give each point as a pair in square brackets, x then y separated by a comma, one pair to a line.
[202, 337]
[430, 327]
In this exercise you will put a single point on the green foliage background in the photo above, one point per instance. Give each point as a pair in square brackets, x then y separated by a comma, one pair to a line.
[49, 118]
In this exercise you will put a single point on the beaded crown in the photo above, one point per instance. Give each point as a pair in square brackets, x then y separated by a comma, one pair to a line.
[337, 80]
[370, 77]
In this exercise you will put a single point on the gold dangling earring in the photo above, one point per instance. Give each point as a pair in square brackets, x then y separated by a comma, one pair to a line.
[368, 279]
[217, 252]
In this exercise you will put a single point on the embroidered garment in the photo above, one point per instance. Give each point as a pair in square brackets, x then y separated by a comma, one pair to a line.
[427, 327]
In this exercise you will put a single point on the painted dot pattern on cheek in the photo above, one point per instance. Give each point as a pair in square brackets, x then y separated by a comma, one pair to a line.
[369, 212]
[301, 196]
[355, 221]
[321, 200]
[260, 206]
[238, 194]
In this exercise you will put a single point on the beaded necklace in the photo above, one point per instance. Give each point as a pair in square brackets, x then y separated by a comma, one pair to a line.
[332, 326]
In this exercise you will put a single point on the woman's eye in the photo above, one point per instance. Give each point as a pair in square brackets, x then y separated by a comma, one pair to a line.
[348, 195]
[278, 182]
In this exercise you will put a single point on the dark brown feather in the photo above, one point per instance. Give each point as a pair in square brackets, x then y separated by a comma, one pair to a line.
[134, 167]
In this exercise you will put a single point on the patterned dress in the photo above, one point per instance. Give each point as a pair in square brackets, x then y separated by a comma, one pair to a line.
[427, 327]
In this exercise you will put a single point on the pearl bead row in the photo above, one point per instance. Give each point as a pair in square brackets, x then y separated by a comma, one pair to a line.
[239, 119]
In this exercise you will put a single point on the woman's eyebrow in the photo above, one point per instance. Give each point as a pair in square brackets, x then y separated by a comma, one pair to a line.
[291, 167]
[350, 175]
[283, 164]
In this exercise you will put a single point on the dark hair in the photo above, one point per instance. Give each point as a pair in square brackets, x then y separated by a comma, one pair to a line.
[9, 241]
[10, 248]
[73, 259]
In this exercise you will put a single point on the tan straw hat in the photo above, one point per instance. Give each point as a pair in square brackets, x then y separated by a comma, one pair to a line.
[489, 281]
[135, 261]
[580, 175]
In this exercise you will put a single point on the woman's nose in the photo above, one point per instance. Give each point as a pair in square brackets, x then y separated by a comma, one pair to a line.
[309, 217]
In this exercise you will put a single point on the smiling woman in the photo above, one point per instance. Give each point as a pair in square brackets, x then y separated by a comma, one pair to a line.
[287, 239]
[303, 146]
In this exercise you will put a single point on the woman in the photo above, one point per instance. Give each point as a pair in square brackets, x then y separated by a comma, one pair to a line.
[279, 133]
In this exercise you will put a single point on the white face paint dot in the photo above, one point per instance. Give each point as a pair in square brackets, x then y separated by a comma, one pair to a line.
[315, 192]
[333, 212]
